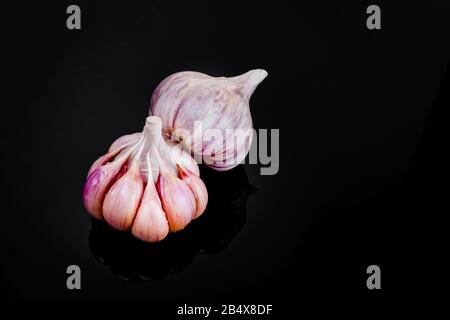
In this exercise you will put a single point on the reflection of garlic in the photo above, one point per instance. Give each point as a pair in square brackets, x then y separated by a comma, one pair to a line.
[222, 104]
[145, 184]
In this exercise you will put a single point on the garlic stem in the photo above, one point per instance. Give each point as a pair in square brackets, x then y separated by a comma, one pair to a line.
[153, 129]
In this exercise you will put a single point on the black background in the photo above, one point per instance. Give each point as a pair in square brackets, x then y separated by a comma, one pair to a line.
[358, 174]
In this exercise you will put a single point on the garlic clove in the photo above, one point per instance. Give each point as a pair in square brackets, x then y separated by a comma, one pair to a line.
[124, 141]
[232, 155]
[197, 187]
[150, 224]
[97, 185]
[103, 160]
[185, 99]
[122, 200]
[177, 201]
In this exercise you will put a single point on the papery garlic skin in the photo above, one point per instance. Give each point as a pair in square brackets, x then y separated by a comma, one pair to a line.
[138, 185]
[98, 182]
[150, 223]
[197, 187]
[220, 103]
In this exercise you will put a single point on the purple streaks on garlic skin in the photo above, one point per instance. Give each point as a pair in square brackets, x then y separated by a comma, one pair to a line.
[122, 200]
[197, 187]
[91, 192]
[98, 183]
[121, 189]
[220, 103]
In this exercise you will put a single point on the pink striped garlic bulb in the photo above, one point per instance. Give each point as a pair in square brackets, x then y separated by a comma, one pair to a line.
[145, 184]
[210, 116]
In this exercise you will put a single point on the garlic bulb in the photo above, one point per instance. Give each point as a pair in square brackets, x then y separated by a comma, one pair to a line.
[146, 184]
[220, 104]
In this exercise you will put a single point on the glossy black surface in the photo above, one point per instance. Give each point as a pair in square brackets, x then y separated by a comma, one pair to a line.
[351, 105]
[133, 260]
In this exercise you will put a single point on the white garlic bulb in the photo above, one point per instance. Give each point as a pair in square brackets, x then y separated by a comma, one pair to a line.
[219, 104]
[145, 184]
